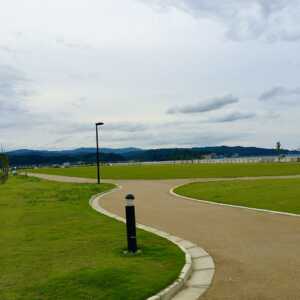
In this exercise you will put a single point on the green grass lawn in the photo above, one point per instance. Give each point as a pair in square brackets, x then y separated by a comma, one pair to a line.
[273, 194]
[55, 246]
[179, 171]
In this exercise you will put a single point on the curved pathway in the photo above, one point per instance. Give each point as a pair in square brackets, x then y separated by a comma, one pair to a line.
[257, 254]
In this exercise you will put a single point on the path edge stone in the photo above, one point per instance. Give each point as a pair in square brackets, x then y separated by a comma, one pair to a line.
[261, 210]
[193, 280]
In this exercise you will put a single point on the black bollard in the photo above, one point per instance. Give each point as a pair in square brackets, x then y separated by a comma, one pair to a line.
[130, 224]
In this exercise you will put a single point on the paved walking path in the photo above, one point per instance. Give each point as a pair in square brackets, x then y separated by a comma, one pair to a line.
[257, 254]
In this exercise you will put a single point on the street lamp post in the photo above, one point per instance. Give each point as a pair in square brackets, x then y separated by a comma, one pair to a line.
[98, 160]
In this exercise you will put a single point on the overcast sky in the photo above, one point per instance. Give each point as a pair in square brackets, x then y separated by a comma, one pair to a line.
[158, 73]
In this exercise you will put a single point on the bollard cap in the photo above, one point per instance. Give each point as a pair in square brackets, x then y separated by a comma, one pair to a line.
[129, 197]
[129, 200]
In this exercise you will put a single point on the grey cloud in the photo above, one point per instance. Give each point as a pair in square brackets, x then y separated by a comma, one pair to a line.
[233, 116]
[289, 36]
[11, 81]
[170, 138]
[245, 20]
[85, 76]
[18, 34]
[7, 49]
[58, 141]
[193, 139]
[79, 102]
[72, 44]
[131, 137]
[269, 115]
[164, 134]
[12, 90]
[28, 120]
[15, 87]
[279, 93]
[206, 106]
[127, 126]
[68, 128]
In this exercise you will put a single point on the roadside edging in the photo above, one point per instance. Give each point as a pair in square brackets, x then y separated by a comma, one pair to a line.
[196, 275]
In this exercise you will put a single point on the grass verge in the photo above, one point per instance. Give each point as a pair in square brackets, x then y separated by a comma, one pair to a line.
[278, 194]
[55, 246]
[178, 171]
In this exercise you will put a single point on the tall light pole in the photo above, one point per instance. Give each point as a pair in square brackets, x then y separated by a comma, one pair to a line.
[98, 160]
[278, 148]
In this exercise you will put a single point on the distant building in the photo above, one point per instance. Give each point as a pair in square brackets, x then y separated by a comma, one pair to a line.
[209, 156]
[66, 165]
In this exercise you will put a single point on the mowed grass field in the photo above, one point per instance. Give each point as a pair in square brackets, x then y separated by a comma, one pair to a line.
[55, 246]
[178, 171]
[276, 194]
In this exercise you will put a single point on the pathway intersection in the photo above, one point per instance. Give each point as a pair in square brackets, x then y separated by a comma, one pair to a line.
[257, 254]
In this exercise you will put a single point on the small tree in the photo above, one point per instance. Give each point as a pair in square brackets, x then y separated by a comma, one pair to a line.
[4, 168]
[278, 148]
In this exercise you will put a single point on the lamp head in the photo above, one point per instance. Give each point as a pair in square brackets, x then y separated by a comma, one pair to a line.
[129, 200]
[99, 123]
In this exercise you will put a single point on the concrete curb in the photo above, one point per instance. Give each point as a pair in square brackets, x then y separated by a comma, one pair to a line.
[196, 275]
[171, 191]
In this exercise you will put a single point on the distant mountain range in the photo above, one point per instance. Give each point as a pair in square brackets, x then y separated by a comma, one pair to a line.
[23, 157]
[77, 151]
